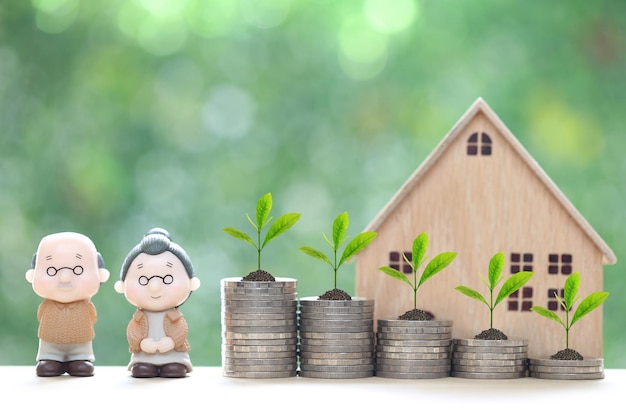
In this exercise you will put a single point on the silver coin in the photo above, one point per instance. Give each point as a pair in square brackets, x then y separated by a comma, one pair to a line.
[226, 310]
[336, 375]
[255, 298]
[259, 323]
[408, 336]
[335, 341]
[335, 362]
[260, 348]
[413, 349]
[347, 329]
[259, 368]
[340, 336]
[383, 356]
[337, 368]
[481, 349]
[304, 348]
[417, 343]
[489, 369]
[228, 289]
[566, 369]
[404, 368]
[415, 330]
[333, 322]
[489, 356]
[258, 316]
[488, 375]
[491, 343]
[355, 301]
[289, 341]
[599, 362]
[260, 375]
[489, 362]
[412, 375]
[342, 316]
[239, 282]
[258, 335]
[257, 303]
[414, 323]
[258, 355]
[260, 329]
[590, 376]
[229, 360]
[335, 355]
[414, 362]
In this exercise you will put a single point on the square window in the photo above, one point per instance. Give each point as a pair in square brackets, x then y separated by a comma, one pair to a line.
[394, 256]
[395, 266]
[528, 257]
[486, 150]
[553, 269]
[566, 269]
[553, 305]
[513, 305]
[408, 255]
[514, 294]
[551, 292]
[407, 269]
[566, 258]
[528, 267]
[526, 305]
[515, 257]
[472, 150]
[514, 269]
[527, 292]
[553, 258]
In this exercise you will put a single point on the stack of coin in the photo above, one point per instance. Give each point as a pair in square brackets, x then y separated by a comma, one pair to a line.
[259, 328]
[566, 369]
[489, 359]
[336, 338]
[411, 349]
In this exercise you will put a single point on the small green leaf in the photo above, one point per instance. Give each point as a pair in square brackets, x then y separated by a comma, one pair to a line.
[281, 225]
[548, 314]
[472, 293]
[514, 283]
[316, 254]
[263, 208]
[572, 284]
[394, 273]
[239, 235]
[496, 265]
[356, 245]
[590, 303]
[340, 227]
[438, 263]
[420, 245]
[252, 223]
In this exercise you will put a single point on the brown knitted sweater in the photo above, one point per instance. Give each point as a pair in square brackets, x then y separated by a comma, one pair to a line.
[66, 323]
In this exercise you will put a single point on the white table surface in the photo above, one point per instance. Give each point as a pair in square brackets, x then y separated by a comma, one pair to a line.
[112, 392]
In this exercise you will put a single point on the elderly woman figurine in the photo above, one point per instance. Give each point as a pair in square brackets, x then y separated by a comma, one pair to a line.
[157, 277]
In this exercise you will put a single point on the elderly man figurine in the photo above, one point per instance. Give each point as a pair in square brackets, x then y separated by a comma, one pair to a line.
[66, 271]
[157, 277]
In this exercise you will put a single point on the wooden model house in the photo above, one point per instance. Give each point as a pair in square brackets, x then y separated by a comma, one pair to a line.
[480, 192]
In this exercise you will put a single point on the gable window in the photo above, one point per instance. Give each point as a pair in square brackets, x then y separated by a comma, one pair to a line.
[521, 262]
[560, 264]
[521, 300]
[553, 303]
[397, 261]
[474, 145]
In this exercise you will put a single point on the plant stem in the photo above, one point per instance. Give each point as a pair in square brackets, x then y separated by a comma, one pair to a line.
[567, 326]
[491, 307]
[335, 267]
[258, 248]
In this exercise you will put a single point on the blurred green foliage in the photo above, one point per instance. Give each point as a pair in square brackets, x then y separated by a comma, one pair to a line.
[118, 116]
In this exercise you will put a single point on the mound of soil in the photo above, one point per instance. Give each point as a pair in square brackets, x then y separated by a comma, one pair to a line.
[335, 294]
[491, 334]
[417, 315]
[567, 354]
[259, 275]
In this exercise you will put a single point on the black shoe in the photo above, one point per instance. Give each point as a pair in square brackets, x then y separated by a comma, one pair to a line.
[50, 368]
[173, 370]
[80, 368]
[144, 370]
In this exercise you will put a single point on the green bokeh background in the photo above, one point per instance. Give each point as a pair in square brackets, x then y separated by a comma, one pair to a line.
[118, 116]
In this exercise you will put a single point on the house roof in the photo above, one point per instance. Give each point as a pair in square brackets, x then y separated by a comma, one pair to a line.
[477, 107]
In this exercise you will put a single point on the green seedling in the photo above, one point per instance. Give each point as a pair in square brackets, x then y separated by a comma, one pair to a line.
[354, 246]
[510, 285]
[263, 218]
[586, 306]
[437, 264]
